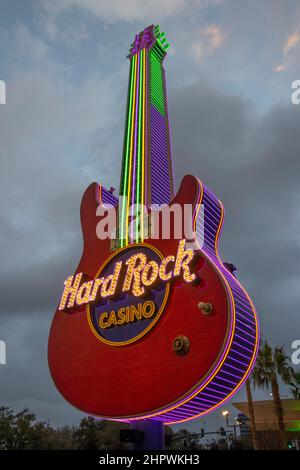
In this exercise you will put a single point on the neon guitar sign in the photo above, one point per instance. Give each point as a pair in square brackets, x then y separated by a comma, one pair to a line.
[135, 276]
[148, 327]
[138, 276]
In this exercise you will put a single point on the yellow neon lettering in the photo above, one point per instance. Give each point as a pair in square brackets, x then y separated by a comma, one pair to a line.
[70, 291]
[110, 282]
[153, 267]
[102, 317]
[136, 313]
[97, 284]
[83, 294]
[140, 273]
[163, 266]
[133, 274]
[183, 258]
[127, 314]
[148, 309]
[112, 320]
[121, 316]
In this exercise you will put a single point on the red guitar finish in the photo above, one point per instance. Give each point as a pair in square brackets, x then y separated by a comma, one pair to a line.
[199, 348]
[146, 378]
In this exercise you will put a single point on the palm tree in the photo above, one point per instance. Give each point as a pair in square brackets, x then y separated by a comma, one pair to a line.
[252, 415]
[295, 386]
[271, 364]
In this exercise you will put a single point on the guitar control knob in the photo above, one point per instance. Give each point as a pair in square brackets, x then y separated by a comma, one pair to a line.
[205, 307]
[181, 345]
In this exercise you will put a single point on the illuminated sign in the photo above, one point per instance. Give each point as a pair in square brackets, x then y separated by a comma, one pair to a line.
[130, 289]
[151, 330]
[135, 273]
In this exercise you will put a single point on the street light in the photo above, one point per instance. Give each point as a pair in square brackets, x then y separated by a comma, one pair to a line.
[225, 413]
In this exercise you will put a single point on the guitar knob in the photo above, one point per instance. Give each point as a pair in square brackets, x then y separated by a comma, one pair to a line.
[205, 307]
[181, 345]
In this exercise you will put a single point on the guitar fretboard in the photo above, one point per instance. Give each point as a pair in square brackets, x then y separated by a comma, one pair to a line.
[147, 172]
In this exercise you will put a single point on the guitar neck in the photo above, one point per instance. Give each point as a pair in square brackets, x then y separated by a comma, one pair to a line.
[147, 172]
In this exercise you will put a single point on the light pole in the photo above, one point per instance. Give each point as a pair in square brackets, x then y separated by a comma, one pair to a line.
[225, 413]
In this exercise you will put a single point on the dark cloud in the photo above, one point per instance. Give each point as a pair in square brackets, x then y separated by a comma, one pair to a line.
[251, 160]
[25, 380]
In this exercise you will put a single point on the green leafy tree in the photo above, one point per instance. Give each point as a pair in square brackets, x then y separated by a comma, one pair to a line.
[22, 431]
[63, 438]
[271, 364]
[87, 436]
[98, 434]
[295, 386]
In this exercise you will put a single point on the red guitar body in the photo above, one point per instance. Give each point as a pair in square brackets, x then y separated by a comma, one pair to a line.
[147, 378]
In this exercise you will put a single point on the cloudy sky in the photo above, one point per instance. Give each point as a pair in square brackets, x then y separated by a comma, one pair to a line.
[229, 73]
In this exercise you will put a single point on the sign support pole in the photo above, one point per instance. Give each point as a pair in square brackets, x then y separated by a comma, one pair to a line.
[154, 434]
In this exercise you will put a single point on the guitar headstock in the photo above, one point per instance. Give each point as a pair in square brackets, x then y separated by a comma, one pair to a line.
[147, 38]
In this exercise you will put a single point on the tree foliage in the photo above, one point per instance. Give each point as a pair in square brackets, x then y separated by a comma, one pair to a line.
[22, 431]
[294, 385]
[271, 364]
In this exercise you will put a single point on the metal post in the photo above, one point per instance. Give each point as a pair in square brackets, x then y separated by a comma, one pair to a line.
[154, 434]
[231, 426]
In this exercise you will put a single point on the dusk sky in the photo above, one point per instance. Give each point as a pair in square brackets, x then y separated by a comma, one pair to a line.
[229, 71]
